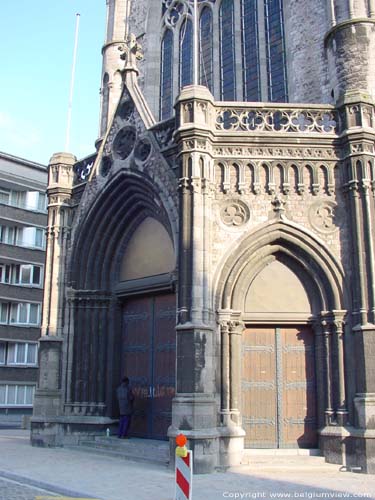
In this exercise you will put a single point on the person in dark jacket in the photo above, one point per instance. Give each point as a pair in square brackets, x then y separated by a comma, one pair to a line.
[125, 399]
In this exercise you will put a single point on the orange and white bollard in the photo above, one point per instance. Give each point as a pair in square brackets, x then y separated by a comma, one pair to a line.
[184, 470]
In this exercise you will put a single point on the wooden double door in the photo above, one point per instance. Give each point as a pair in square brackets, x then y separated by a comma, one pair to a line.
[149, 358]
[278, 387]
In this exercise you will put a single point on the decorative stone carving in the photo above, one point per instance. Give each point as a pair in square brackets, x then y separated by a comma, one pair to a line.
[142, 150]
[323, 216]
[124, 142]
[270, 152]
[174, 10]
[164, 133]
[278, 204]
[234, 213]
[131, 50]
[105, 166]
[126, 110]
[282, 119]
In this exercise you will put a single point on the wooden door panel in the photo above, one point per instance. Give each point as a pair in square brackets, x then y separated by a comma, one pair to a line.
[298, 390]
[278, 387]
[259, 388]
[164, 344]
[137, 321]
[149, 359]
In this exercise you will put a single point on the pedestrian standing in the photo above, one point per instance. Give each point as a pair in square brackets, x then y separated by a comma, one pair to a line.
[125, 399]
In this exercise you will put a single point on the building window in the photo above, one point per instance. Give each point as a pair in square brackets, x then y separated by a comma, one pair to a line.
[16, 395]
[166, 96]
[27, 274]
[227, 51]
[30, 237]
[275, 48]
[22, 353]
[4, 307]
[206, 48]
[24, 313]
[249, 38]
[105, 103]
[21, 274]
[8, 235]
[4, 196]
[2, 353]
[28, 200]
[186, 53]
[250, 50]
[5, 273]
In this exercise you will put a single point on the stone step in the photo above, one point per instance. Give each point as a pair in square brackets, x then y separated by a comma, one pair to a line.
[135, 449]
[286, 460]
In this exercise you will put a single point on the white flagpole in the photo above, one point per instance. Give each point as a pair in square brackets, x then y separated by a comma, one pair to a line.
[195, 45]
[67, 139]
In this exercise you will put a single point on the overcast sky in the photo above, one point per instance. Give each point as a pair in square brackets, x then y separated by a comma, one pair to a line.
[36, 54]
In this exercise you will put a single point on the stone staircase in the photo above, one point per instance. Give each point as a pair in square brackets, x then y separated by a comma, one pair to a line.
[157, 453]
[135, 449]
[286, 460]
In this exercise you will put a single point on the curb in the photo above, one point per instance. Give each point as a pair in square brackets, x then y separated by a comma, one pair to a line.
[48, 487]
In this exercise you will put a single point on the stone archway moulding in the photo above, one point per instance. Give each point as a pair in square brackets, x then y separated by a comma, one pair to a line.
[315, 261]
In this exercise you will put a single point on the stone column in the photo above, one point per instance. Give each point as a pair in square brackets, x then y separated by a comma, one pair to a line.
[48, 396]
[358, 137]
[328, 372]
[89, 372]
[342, 411]
[235, 331]
[320, 372]
[195, 407]
[225, 373]
[331, 12]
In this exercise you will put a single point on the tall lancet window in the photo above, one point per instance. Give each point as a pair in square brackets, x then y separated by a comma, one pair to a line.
[166, 91]
[227, 51]
[186, 53]
[275, 45]
[105, 104]
[250, 50]
[206, 48]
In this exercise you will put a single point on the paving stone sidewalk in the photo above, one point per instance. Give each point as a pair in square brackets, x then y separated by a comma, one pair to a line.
[12, 490]
[89, 475]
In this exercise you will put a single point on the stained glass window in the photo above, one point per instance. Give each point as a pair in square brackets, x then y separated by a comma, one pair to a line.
[275, 45]
[186, 53]
[227, 51]
[206, 47]
[250, 50]
[166, 94]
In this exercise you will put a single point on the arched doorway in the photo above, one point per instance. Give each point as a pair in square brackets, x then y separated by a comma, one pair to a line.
[122, 265]
[282, 377]
[278, 382]
[148, 353]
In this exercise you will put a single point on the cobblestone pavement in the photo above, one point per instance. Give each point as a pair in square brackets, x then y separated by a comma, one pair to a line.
[12, 490]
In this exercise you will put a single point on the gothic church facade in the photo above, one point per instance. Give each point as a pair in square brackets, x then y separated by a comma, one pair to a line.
[219, 246]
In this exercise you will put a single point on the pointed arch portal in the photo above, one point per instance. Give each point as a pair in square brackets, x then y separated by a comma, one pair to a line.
[279, 297]
[123, 306]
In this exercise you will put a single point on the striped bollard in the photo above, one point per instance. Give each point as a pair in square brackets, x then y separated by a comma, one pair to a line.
[184, 470]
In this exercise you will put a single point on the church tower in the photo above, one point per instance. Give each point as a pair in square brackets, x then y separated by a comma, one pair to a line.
[111, 80]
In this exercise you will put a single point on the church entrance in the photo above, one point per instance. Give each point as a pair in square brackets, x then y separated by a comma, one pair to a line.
[149, 359]
[278, 387]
